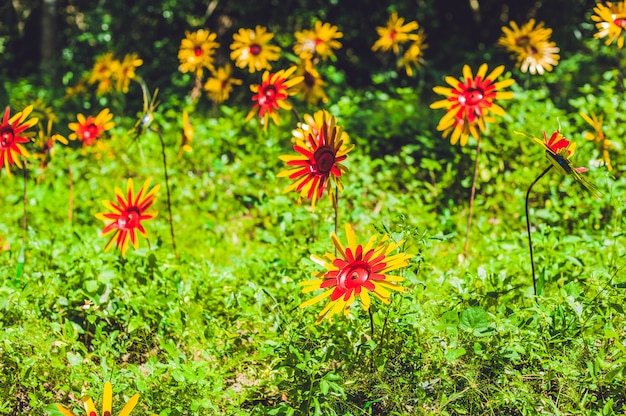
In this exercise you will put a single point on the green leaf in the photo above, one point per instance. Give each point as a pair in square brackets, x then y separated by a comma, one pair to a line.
[474, 320]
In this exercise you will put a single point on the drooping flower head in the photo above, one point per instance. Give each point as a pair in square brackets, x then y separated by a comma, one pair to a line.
[598, 136]
[470, 100]
[319, 162]
[413, 57]
[559, 150]
[359, 270]
[12, 135]
[395, 33]
[251, 48]
[124, 71]
[321, 41]
[530, 46]
[107, 404]
[311, 88]
[272, 94]
[220, 84]
[126, 214]
[196, 52]
[44, 144]
[611, 22]
[89, 129]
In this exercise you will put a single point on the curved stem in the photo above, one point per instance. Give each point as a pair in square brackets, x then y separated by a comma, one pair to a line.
[167, 186]
[530, 241]
[472, 196]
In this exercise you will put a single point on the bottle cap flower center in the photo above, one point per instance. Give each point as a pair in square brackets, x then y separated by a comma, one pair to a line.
[197, 51]
[129, 219]
[7, 136]
[353, 275]
[323, 161]
[620, 21]
[471, 97]
[255, 49]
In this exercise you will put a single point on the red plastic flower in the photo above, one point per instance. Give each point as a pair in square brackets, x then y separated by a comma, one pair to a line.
[360, 270]
[272, 94]
[316, 165]
[126, 215]
[89, 129]
[12, 135]
[469, 100]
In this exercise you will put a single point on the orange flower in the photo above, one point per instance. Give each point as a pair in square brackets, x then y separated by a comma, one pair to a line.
[89, 129]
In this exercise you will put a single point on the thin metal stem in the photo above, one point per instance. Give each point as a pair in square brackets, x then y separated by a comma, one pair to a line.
[472, 196]
[167, 187]
[530, 241]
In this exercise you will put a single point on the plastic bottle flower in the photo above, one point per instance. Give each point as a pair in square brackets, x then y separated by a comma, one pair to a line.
[311, 124]
[311, 88]
[124, 71]
[319, 162]
[44, 142]
[469, 101]
[395, 33]
[611, 22]
[102, 72]
[126, 214]
[321, 41]
[219, 86]
[107, 404]
[251, 48]
[196, 52]
[530, 46]
[359, 270]
[272, 94]
[13, 135]
[598, 136]
[89, 129]
[413, 57]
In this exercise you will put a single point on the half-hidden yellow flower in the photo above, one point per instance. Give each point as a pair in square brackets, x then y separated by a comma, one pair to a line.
[530, 46]
[395, 33]
[413, 56]
[272, 94]
[187, 135]
[311, 88]
[321, 41]
[312, 124]
[598, 136]
[124, 71]
[251, 48]
[470, 100]
[219, 86]
[102, 72]
[356, 271]
[610, 21]
[318, 163]
[107, 404]
[196, 51]
[44, 143]
[126, 214]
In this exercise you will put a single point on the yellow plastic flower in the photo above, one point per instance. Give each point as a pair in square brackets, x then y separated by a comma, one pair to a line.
[413, 57]
[530, 46]
[124, 71]
[187, 135]
[107, 404]
[102, 72]
[44, 143]
[127, 212]
[272, 94]
[311, 88]
[395, 33]
[470, 100]
[220, 84]
[321, 41]
[318, 164]
[196, 52]
[598, 136]
[358, 271]
[89, 129]
[611, 21]
[251, 48]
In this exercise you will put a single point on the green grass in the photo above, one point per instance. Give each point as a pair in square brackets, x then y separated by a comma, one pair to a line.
[219, 330]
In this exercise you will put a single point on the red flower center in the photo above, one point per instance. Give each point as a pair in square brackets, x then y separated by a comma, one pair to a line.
[129, 218]
[392, 34]
[107, 413]
[353, 275]
[323, 161]
[7, 136]
[522, 41]
[620, 21]
[471, 96]
[255, 49]
[267, 96]
[197, 51]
